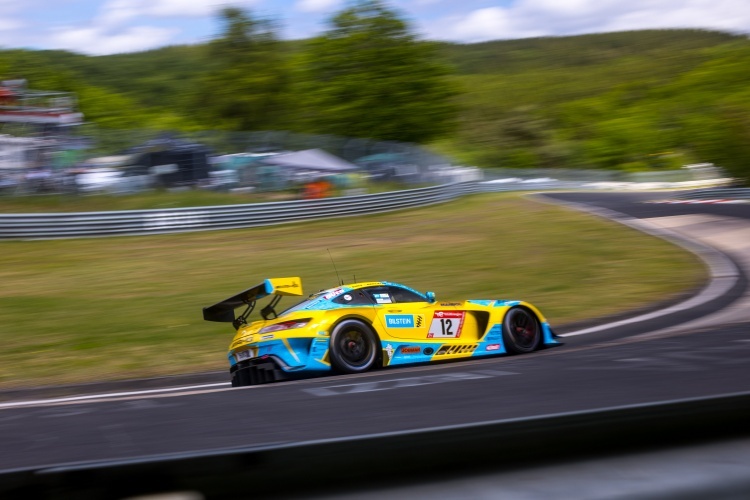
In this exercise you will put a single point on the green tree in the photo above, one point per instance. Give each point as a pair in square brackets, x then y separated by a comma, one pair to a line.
[245, 86]
[368, 76]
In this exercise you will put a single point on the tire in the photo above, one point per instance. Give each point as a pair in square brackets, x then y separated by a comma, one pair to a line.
[521, 331]
[353, 347]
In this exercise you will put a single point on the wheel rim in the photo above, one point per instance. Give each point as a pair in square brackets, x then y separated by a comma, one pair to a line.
[523, 329]
[354, 348]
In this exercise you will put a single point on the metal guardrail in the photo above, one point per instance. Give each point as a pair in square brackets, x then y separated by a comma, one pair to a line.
[716, 194]
[145, 222]
[180, 220]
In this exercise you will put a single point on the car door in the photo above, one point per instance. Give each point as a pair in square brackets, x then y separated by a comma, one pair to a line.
[402, 313]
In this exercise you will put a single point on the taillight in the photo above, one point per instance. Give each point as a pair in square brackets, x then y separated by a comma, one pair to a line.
[285, 325]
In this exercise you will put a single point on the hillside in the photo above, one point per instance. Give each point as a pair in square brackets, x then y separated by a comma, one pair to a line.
[632, 100]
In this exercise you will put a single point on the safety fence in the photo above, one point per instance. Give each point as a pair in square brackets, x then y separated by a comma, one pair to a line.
[716, 194]
[145, 222]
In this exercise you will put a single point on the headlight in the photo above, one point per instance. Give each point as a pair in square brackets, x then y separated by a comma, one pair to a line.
[285, 325]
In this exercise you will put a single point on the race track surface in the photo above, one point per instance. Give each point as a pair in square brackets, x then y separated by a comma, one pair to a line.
[695, 352]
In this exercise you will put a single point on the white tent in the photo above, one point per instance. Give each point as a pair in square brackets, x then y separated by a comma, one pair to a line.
[311, 159]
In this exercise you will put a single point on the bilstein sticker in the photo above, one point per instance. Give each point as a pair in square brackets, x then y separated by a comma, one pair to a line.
[399, 321]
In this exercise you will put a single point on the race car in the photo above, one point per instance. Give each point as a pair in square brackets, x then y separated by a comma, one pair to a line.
[355, 327]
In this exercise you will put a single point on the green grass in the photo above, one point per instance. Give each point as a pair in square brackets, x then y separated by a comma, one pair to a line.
[96, 309]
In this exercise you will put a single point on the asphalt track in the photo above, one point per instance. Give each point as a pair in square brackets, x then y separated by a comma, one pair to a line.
[695, 351]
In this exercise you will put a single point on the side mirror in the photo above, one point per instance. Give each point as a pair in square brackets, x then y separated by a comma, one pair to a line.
[430, 297]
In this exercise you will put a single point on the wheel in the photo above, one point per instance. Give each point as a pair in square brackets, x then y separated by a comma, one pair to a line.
[353, 348]
[521, 331]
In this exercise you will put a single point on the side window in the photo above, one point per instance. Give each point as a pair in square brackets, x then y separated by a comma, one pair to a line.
[404, 295]
[353, 298]
[380, 295]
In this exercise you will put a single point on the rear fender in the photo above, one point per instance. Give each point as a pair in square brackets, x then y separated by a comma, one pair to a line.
[367, 321]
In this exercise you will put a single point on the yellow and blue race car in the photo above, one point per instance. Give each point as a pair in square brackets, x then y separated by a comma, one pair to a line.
[353, 328]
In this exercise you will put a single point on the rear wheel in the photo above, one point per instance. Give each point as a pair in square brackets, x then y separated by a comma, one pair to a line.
[521, 331]
[354, 347]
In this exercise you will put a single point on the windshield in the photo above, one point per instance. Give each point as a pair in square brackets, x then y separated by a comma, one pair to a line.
[304, 304]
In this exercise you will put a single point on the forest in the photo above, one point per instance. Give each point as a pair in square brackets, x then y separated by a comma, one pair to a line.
[633, 101]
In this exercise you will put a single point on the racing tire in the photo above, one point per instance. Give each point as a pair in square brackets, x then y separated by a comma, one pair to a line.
[521, 331]
[353, 347]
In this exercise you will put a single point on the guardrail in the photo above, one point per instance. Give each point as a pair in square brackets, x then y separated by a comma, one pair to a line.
[180, 220]
[716, 194]
[145, 222]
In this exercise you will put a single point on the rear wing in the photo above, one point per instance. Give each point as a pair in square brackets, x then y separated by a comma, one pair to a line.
[224, 310]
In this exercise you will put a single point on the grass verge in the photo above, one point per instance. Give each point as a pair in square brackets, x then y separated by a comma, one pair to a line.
[98, 309]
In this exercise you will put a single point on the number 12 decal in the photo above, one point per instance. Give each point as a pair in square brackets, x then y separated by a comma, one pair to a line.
[446, 324]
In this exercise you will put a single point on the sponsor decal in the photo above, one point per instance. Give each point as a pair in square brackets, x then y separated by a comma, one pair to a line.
[399, 321]
[410, 350]
[267, 337]
[293, 284]
[419, 320]
[450, 304]
[495, 333]
[446, 324]
[492, 347]
[334, 293]
[243, 355]
[389, 351]
[347, 297]
[428, 351]
[382, 298]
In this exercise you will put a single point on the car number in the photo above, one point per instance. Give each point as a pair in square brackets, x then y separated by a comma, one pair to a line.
[446, 324]
[243, 355]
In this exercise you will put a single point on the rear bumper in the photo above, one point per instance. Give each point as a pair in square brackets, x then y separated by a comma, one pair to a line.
[256, 372]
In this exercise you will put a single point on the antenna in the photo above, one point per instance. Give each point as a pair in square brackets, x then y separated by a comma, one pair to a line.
[334, 267]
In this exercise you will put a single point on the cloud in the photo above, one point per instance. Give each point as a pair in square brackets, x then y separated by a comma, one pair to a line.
[191, 8]
[8, 24]
[526, 18]
[115, 11]
[491, 23]
[120, 25]
[94, 41]
[483, 24]
[317, 5]
[9, 20]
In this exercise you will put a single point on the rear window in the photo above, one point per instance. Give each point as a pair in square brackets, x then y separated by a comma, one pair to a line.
[354, 298]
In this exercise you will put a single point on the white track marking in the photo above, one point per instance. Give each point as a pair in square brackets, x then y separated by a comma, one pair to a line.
[89, 397]
[723, 272]
[401, 383]
[715, 289]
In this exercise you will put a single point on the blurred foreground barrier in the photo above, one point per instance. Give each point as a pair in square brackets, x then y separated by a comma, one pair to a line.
[363, 463]
[178, 220]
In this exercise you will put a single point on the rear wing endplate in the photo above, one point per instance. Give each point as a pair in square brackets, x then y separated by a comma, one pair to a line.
[224, 311]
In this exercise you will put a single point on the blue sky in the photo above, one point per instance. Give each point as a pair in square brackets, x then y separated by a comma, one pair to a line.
[113, 26]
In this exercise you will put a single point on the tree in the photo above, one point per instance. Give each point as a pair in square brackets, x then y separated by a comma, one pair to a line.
[368, 76]
[245, 86]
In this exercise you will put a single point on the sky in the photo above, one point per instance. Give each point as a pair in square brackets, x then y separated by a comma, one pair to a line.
[98, 27]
